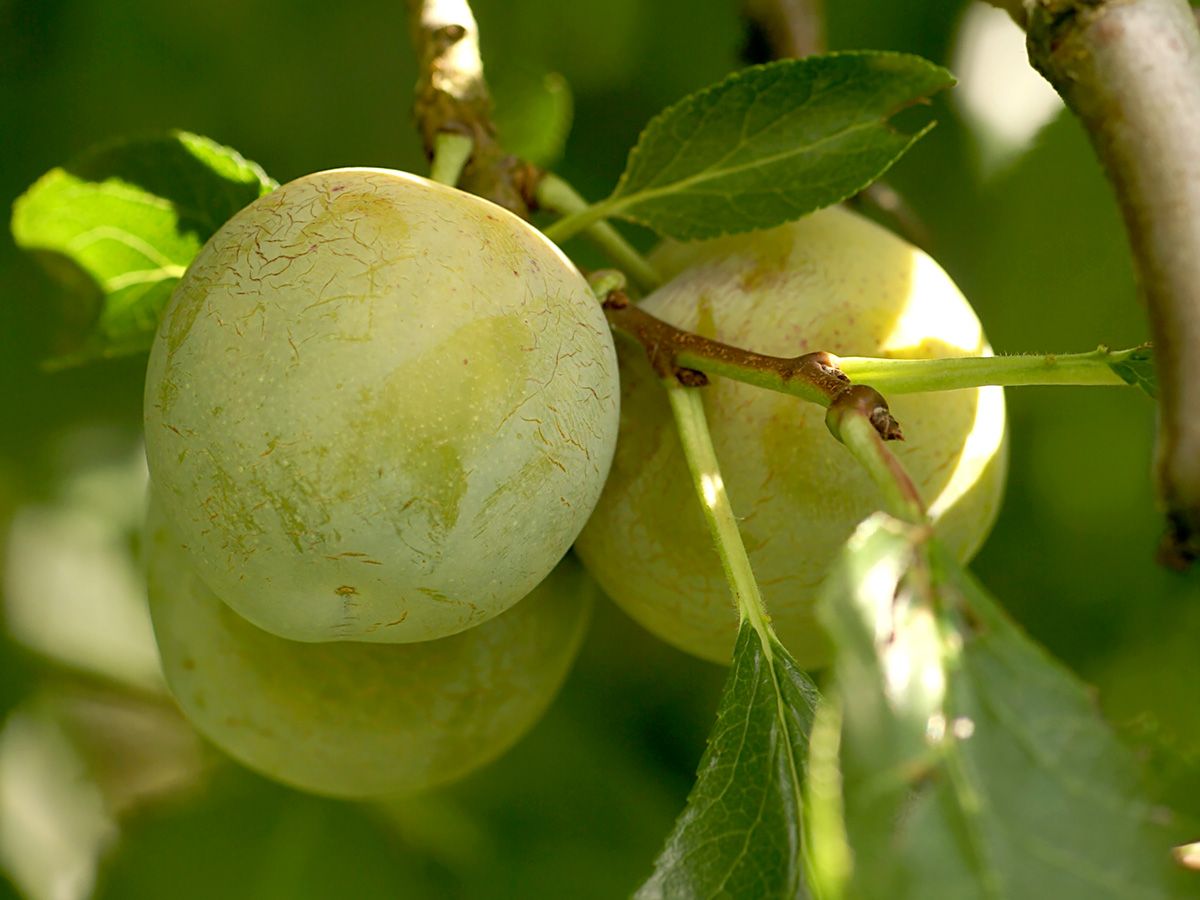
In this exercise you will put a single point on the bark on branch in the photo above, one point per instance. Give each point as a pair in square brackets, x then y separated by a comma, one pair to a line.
[690, 358]
[1130, 70]
[452, 95]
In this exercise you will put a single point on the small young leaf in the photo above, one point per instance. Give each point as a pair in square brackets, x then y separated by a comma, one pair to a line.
[973, 764]
[1136, 367]
[740, 834]
[772, 143]
[119, 226]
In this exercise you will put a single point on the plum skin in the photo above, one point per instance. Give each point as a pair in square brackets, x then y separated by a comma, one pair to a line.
[378, 408]
[832, 281]
[354, 719]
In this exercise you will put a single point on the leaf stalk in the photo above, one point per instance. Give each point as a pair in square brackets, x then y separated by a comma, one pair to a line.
[688, 410]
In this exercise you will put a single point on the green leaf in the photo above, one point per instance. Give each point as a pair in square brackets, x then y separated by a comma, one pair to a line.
[533, 114]
[974, 765]
[119, 226]
[740, 834]
[772, 143]
[1136, 367]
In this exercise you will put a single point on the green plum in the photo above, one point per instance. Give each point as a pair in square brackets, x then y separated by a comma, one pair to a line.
[354, 719]
[833, 281]
[378, 408]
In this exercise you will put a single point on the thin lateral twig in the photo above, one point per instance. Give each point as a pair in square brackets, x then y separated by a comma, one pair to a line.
[452, 96]
[689, 358]
[1130, 70]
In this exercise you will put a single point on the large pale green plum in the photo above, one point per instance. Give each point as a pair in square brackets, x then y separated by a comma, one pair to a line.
[832, 281]
[378, 408]
[353, 719]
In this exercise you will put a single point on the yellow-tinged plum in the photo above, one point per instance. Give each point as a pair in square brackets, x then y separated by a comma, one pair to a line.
[832, 281]
[378, 408]
[354, 719]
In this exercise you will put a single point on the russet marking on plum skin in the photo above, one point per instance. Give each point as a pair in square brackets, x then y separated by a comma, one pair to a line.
[310, 269]
[354, 556]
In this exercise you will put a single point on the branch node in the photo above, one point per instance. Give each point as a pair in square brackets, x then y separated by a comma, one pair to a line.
[863, 400]
[617, 299]
[690, 377]
[818, 367]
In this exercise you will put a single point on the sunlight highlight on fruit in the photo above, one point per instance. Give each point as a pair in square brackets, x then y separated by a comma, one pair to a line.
[984, 444]
[934, 310]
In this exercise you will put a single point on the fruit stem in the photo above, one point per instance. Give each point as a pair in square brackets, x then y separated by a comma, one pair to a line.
[907, 376]
[688, 409]
[576, 222]
[860, 419]
[556, 195]
[673, 351]
[450, 154]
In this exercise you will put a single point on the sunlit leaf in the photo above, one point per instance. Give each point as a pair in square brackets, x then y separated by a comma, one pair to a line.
[118, 227]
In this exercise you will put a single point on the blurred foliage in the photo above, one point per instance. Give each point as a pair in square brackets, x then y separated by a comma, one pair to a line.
[587, 799]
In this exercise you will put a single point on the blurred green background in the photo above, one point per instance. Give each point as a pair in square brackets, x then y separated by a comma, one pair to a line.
[103, 791]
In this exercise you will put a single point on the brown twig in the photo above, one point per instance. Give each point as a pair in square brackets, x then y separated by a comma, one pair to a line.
[1130, 70]
[452, 95]
[690, 358]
